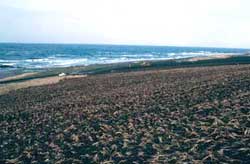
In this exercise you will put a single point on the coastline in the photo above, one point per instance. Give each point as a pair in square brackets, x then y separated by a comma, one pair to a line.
[52, 76]
[219, 59]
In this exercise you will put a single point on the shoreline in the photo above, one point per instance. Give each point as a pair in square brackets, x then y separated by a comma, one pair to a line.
[54, 75]
[30, 71]
[113, 67]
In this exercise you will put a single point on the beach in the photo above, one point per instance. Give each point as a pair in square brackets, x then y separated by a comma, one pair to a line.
[155, 113]
[53, 75]
[124, 82]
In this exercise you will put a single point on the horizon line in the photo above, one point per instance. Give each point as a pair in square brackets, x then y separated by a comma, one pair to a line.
[123, 44]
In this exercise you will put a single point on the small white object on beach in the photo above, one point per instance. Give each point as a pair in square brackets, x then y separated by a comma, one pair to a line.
[62, 74]
[144, 63]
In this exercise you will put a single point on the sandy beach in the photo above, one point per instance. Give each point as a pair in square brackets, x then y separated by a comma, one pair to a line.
[197, 115]
[34, 82]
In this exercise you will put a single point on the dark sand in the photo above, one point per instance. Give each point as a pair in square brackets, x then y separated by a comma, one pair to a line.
[177, 115]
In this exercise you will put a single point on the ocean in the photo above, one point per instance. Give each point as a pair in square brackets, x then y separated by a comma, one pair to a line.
[28, 57]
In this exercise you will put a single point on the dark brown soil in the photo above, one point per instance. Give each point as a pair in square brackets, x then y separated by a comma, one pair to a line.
[182, 115]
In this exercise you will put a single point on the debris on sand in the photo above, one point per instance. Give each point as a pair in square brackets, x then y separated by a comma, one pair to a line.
[62, 74]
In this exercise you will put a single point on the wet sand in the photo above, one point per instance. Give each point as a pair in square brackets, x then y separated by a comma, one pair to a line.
[195, 115]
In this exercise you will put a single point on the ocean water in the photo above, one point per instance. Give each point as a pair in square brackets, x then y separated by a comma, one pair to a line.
[14, 57]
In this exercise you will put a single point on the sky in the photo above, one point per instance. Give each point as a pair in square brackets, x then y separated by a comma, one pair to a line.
[209, 23]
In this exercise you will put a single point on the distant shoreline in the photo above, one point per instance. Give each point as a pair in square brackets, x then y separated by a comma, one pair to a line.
[50, 76]
[220, 59]
[21, 58]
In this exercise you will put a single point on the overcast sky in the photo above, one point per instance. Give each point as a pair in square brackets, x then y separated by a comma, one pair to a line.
[217, 23]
